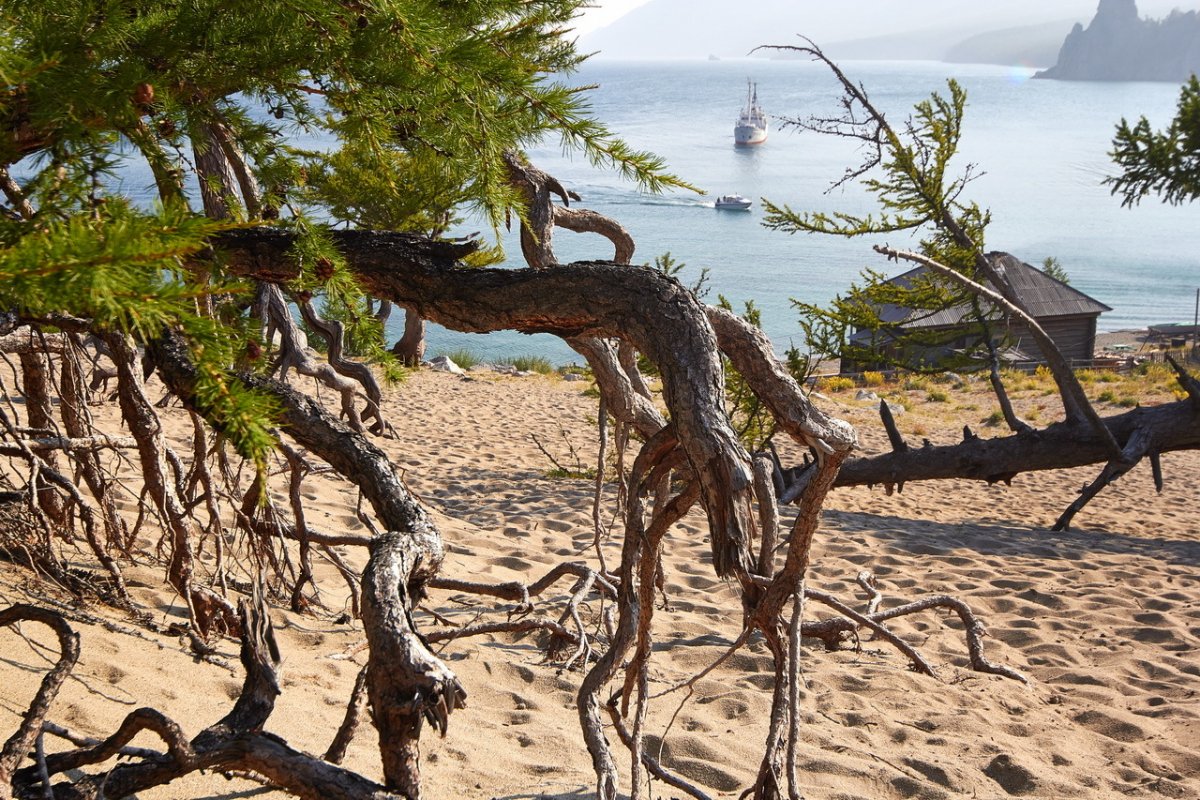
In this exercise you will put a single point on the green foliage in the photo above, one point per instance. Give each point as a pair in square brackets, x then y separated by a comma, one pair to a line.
[421, 101]
[836, 383]
[1052, 267]
[674, 269]
[915, 188]
[122, 270]
[1165, 163]
[463, 357]
[937, 396]
[861, 325]
[872, 379]
[752, 421]
[575, 369]
[909, 172]
[528, 363]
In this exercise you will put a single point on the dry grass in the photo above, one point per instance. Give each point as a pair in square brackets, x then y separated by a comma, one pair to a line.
[933, 406]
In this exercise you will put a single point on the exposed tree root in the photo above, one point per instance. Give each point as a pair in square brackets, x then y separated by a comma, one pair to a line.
[607, 311]
[234, 743]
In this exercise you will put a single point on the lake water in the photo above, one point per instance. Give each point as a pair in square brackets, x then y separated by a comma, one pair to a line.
[1041, 146]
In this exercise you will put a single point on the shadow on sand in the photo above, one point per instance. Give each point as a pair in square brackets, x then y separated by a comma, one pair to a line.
[924, 537]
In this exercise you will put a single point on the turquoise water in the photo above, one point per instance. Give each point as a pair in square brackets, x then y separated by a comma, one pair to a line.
[1040, 146]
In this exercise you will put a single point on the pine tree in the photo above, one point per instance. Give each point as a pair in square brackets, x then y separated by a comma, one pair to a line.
[267, 120]
[1164, 163]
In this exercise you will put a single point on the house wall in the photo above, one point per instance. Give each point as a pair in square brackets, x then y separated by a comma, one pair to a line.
[1074, 336]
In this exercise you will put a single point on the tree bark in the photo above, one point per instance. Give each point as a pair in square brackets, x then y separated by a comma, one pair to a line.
[1175, 426]
[656, 314]
[410, 348]
[407, 683]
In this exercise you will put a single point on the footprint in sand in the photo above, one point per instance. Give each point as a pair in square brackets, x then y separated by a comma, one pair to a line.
[1111, 726]
[511, 562]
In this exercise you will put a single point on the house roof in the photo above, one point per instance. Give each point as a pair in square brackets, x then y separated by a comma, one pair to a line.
[1041, 295]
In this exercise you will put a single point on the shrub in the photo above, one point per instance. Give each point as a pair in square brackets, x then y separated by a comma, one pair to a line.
[994, 418]
[575, 369]
[836, 383]
[1107, 396]
[937, 396]
[539, 364]
[872, 378]
[916, 383]
[463, 357]
[1127, 402]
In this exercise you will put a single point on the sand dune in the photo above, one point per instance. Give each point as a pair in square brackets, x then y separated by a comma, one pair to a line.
[1105, 620]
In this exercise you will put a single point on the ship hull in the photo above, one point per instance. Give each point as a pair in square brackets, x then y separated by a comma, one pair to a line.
[748, 135]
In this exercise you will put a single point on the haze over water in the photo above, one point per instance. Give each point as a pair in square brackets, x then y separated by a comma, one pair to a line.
[1041, 147]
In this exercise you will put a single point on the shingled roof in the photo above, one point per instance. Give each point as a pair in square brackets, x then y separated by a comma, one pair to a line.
[1041, 295]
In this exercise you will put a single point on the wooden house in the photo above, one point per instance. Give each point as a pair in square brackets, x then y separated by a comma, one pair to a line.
[1066, 314]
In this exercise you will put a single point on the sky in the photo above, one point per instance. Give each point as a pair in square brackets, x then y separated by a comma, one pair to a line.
[605, 11]
[727, 28]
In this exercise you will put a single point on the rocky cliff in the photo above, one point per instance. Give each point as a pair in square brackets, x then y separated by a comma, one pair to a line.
[1120, 46]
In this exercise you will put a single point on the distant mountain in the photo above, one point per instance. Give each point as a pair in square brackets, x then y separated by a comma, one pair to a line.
[1028, 46]
[1119, 45]
[922, 45]
[913, 29]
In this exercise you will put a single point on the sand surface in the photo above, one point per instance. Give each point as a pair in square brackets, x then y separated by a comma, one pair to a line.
[1105, 620]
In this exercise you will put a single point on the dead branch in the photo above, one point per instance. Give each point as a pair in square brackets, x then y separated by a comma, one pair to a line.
[273, 309]
[651, 763]
[1165, 428]
[335, 335]
[973, 629]
[1135, 449]
[234, 743]
[18, 745]
[1188, 381]
[522, 593]
[835, 628]
[207, 610]
[47, 444]
[345, 732]
[652, 453]
[1078, 407]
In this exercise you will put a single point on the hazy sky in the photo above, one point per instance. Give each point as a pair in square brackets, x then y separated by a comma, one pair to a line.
[605, 12]
[727, 28]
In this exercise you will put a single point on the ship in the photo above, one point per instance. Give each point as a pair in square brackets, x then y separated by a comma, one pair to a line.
[751, 126]
[733, 202]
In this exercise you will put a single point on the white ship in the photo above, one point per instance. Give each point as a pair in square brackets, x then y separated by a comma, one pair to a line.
[734, 202]
[751, 127]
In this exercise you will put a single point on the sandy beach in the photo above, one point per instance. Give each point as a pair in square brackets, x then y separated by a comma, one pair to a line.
[1104, 620]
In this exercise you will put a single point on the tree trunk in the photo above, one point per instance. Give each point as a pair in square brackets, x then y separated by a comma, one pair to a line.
[1175, 426]
[410, 349]
[35, 383]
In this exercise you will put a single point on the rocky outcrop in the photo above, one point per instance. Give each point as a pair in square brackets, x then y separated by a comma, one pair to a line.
[1120, 46]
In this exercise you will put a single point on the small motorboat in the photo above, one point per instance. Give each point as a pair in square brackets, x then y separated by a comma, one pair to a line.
[733, 202]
